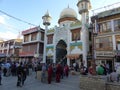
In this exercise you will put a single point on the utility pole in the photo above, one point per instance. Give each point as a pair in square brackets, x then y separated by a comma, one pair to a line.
[93, 29]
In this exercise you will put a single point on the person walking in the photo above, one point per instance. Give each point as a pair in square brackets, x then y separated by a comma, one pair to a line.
[50, 71]
[43, 73]
[0, 75]
[113, 76]
[19, 75]
[24, 74]
[91, 70]
[66, 70]
[54, 72]
[4, 71]
[62, 71]
[58, 73]
[100, 70]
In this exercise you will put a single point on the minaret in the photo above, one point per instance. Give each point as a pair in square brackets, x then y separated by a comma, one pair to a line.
[46, 22]
[83, 8]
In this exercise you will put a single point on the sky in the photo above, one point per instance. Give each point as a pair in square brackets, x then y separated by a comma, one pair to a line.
[31, 11]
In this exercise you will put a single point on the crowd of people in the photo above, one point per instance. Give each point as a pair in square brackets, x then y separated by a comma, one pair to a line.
[21, 70]
[18, 69]
[101, 69]
[52, 72]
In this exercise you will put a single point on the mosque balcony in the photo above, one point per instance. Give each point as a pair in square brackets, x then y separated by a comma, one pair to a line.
[75, 25]
[50, 31]
[83, 10]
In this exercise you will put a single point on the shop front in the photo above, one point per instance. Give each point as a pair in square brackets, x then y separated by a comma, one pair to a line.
[74, 58]
[106, 58]
[28, 56]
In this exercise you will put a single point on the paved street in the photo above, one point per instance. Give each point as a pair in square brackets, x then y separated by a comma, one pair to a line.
[70, 83]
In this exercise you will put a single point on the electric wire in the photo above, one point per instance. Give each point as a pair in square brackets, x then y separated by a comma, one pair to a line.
[17, 18]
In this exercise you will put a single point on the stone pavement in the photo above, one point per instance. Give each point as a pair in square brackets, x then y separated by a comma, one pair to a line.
[70, 83]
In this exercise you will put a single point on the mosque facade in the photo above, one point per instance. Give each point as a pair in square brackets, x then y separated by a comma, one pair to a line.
[68, 42]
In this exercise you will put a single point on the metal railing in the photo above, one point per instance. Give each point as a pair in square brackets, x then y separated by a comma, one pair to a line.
[105, 8]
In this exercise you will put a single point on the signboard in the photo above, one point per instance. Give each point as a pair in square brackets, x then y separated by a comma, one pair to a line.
[104, 53]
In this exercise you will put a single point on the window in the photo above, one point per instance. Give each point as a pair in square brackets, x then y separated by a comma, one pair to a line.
[105, 27]
[109, 28]
[100, 45]
[118, 59]
[11, 43]
[42, 36]
[6, 44]
[33, 36]
[5, 51]
[2, 45]
[33, 47]
[75, 34]
[117, 42]
[104, 43]
[26, 38]
[49, 39]
[117, 25]
[82, 5]
[100, 27]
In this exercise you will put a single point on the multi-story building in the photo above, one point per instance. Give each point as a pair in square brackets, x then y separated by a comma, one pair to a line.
[33, 42]
[10, 48]
[107, 41]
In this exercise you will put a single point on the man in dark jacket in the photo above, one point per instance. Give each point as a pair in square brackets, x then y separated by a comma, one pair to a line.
[19, 75]
[24, 74]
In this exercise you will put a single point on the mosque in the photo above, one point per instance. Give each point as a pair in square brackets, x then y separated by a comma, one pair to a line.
[68, 42]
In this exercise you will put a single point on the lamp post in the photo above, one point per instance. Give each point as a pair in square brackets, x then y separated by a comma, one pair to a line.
[94, 34]
[46, 22]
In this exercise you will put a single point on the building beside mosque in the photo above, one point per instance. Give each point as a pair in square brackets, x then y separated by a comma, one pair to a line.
[68, 42]
[107, 41]
[10, 49]
[32, 45]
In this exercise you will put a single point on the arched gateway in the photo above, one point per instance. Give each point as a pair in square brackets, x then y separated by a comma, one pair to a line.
[61, 52]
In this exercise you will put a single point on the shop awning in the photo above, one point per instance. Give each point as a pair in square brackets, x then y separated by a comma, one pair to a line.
[73, 56]
[26, 54]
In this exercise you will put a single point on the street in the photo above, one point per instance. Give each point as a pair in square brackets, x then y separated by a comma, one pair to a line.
[70, 83]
